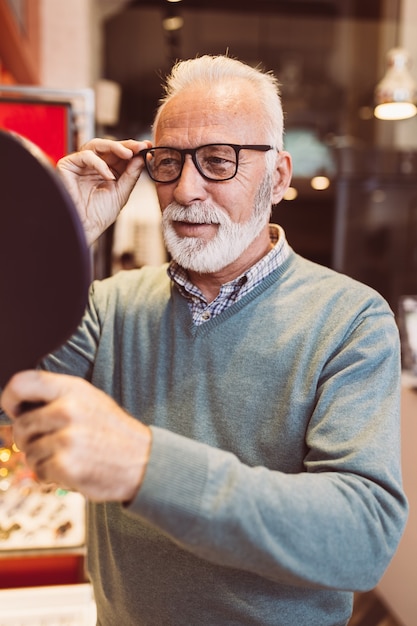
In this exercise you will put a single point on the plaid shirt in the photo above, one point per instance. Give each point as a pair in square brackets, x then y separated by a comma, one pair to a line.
[232, 291]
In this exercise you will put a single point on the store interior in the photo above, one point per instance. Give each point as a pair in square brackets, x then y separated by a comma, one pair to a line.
[93, 68]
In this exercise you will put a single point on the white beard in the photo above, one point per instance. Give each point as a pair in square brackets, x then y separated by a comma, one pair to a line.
[231, 240]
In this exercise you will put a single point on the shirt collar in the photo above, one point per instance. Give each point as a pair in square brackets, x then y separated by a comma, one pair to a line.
[249, 279]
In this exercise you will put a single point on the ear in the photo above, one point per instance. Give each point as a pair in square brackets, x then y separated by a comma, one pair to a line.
[281, 176]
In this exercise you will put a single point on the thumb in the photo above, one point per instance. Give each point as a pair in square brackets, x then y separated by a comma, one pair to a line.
[29, 388]
[129, 178]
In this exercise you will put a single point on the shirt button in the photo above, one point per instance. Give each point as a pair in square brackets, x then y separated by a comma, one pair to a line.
[205, 316]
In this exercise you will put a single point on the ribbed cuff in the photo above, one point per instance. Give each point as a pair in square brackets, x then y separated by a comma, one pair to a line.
[173, 487]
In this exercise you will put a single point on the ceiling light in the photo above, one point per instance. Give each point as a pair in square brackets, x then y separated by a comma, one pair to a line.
[320, 183]
[396, 93]
[395, 110]
[174, 22]
[291, 193]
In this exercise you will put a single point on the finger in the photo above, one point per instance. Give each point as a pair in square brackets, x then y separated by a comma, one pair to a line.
[132, 163]
[133, 169]
[127, 178]
[56, 411]
[102, 146]
[124, 149]
[84, 162]
[41, 420]
[31, 387]
[38, 456]
[136, 146]
[36, 459]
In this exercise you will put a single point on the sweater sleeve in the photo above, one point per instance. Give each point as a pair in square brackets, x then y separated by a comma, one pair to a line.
[76, 356]
[335, 525]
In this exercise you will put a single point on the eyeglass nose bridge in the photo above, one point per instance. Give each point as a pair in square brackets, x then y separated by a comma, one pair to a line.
[193, 153]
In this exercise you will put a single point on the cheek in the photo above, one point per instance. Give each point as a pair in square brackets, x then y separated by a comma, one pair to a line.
[233, 196]
[243, 193]
[238, 204]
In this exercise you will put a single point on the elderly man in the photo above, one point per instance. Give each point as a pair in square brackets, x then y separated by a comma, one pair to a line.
[232, 417]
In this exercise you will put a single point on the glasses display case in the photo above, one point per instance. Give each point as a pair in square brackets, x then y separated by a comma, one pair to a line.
[42, 527]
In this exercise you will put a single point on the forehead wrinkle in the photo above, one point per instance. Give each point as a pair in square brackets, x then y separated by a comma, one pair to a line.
[191, 124]
[220, 114]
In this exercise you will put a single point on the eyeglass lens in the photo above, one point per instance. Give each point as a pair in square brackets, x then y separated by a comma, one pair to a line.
[216, 162]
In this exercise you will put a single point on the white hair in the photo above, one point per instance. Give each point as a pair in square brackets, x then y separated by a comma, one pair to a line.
[209, 71]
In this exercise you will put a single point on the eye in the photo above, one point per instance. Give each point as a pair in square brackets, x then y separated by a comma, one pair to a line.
[166, 161]
[218, 160]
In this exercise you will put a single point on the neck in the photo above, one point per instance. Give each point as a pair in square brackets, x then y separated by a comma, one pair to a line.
[210, 284]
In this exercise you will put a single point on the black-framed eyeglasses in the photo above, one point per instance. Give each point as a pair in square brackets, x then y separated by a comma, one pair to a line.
[214, 161]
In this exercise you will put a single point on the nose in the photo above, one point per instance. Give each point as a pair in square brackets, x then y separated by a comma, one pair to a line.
[191, 186]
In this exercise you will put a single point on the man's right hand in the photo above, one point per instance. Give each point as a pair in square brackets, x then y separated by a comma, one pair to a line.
[100, 178]
[75, 435]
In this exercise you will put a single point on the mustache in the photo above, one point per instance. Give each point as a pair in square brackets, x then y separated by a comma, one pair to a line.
[196, 213]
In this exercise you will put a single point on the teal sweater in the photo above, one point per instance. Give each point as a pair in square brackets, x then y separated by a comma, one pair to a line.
[273, 488]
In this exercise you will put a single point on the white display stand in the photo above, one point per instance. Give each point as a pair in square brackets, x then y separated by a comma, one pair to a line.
[398, 587]
[61, 605]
